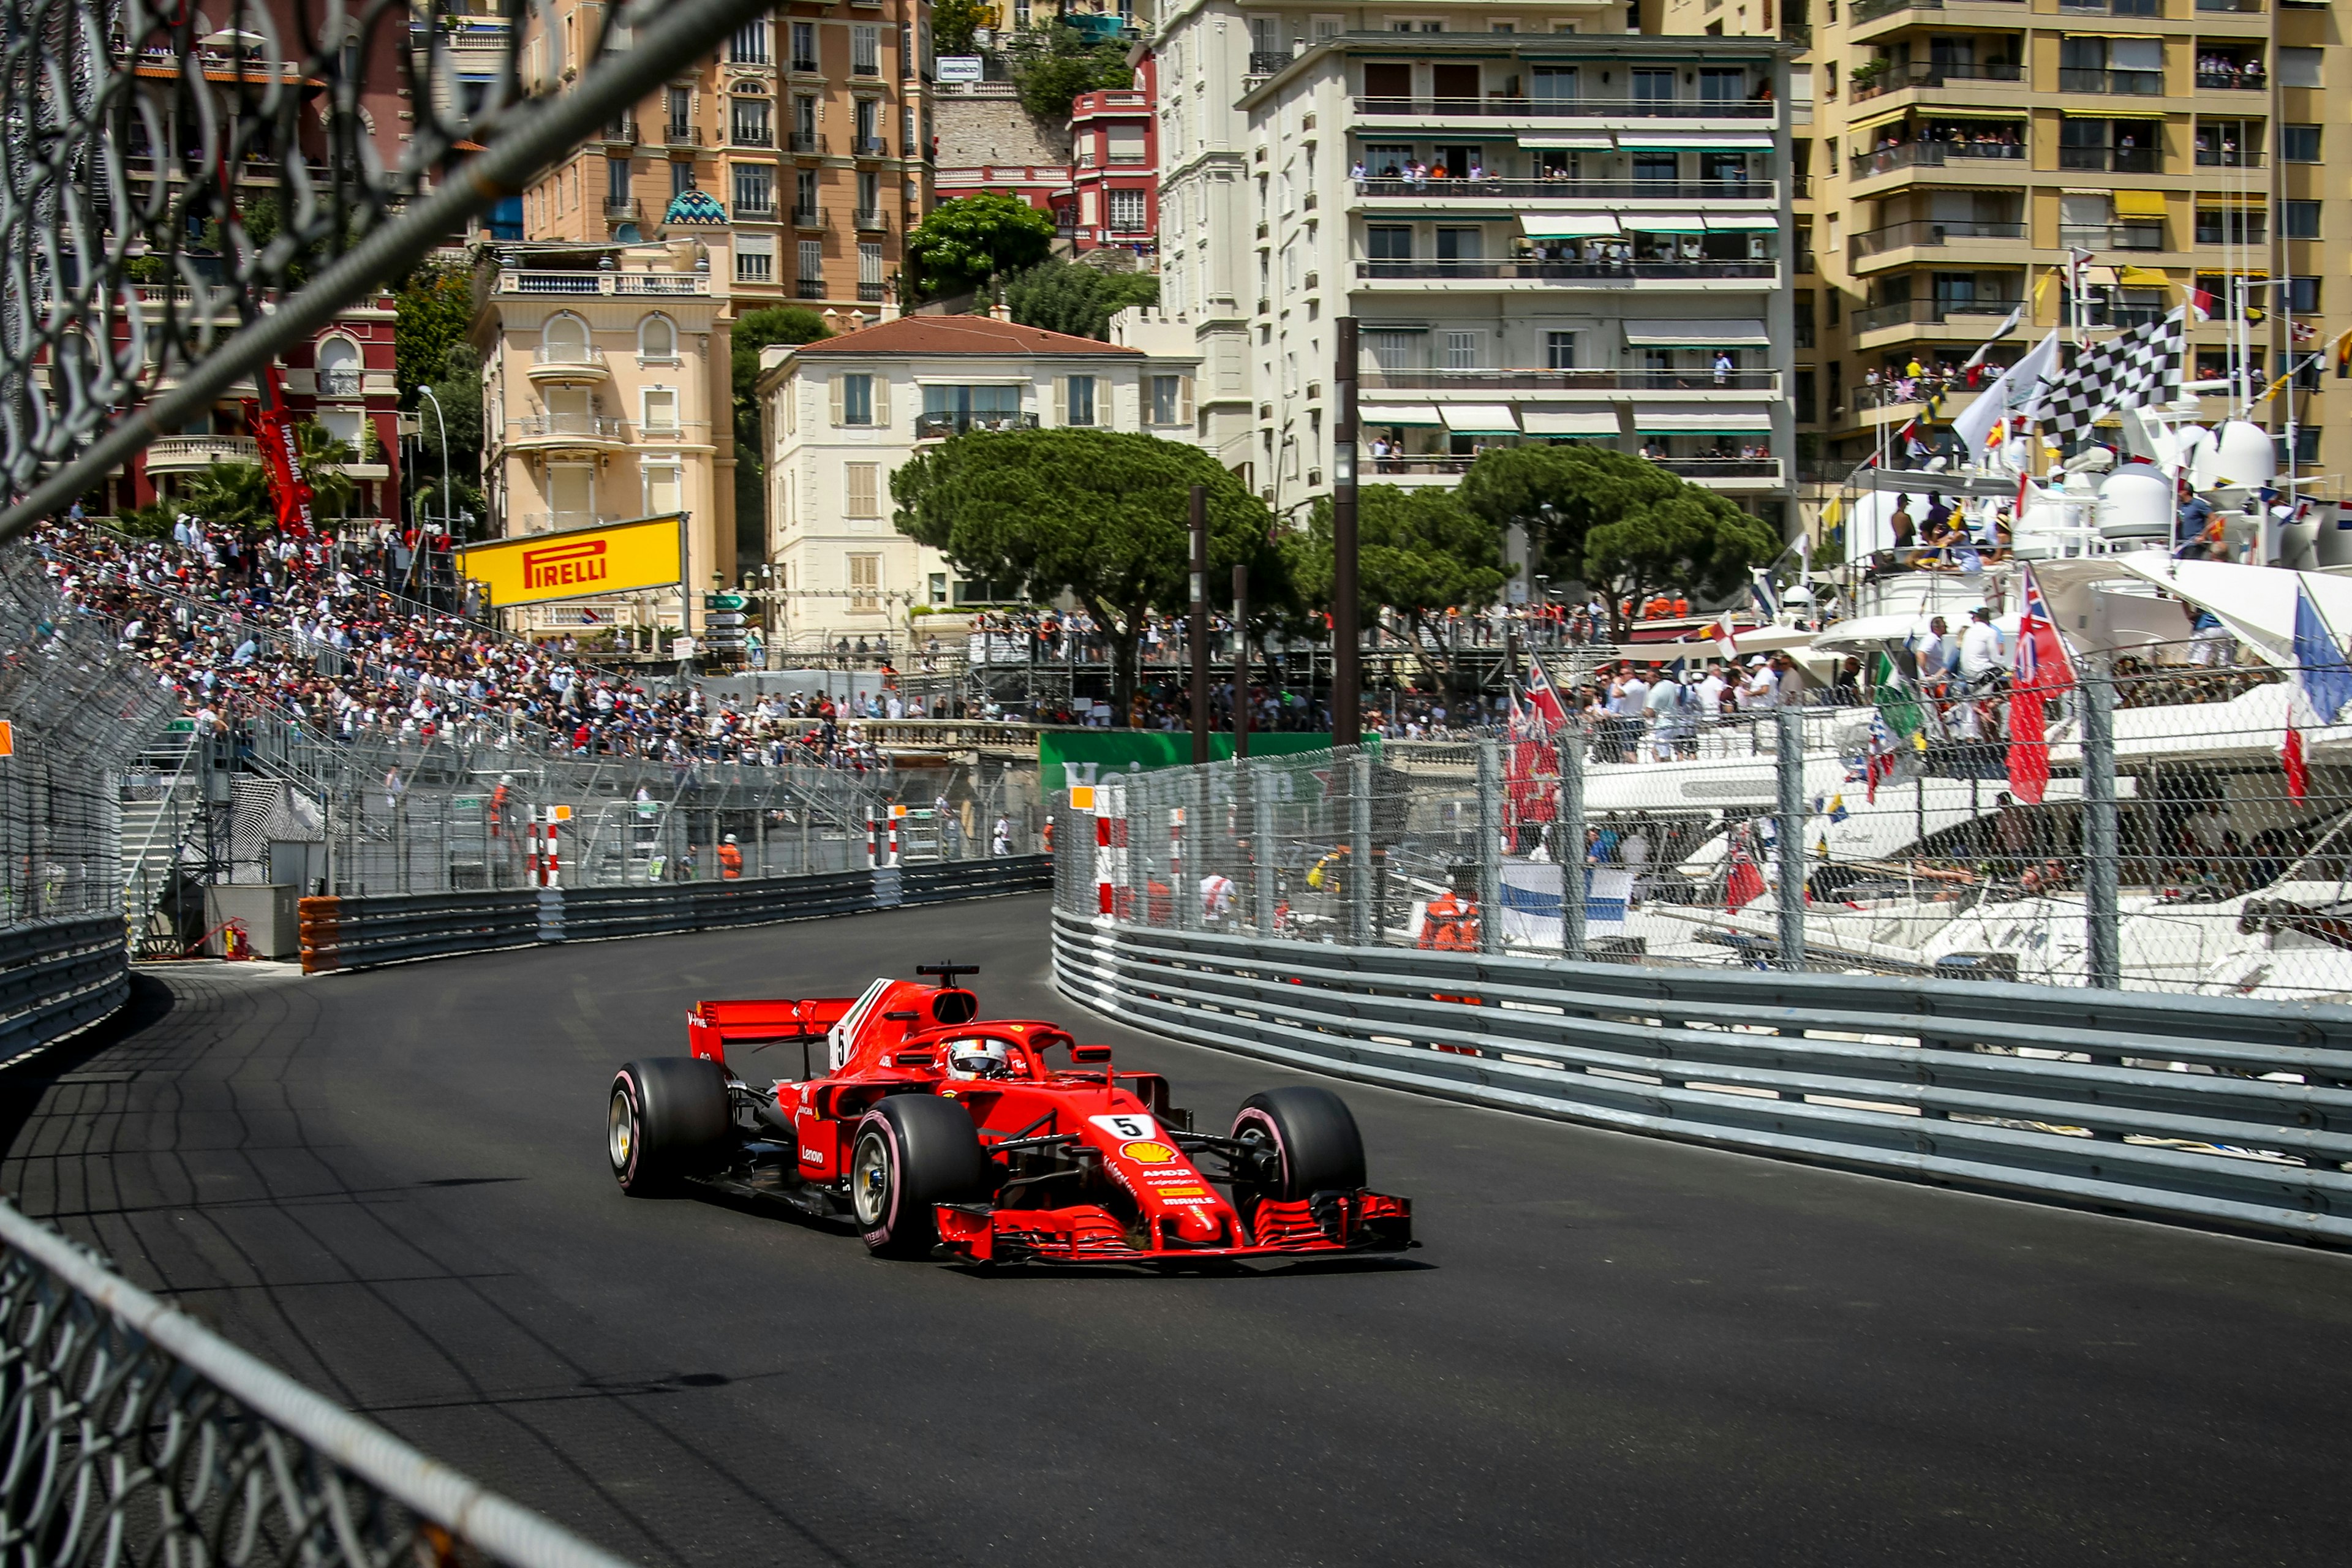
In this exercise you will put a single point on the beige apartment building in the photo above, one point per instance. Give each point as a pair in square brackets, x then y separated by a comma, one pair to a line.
[807, 134]
[1949, 155]
[607, 394]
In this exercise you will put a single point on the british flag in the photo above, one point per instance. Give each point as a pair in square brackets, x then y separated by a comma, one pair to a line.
[1547, 713]
[2042, 671]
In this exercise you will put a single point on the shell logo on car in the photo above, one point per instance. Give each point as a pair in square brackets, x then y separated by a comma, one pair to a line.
[1146, 1152]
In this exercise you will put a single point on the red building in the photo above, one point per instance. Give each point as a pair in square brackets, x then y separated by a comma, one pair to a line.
[1113, 197]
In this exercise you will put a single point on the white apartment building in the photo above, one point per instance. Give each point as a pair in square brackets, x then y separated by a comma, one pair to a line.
[1547, 228]
[839, 417]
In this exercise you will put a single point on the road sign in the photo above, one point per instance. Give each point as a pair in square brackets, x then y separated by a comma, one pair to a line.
[722, 618]
[723, 601]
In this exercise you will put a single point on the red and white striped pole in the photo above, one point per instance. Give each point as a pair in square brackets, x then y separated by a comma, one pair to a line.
[554, 849]
[873, 843]
[1110, 846]
[894, 838]
[536, 876]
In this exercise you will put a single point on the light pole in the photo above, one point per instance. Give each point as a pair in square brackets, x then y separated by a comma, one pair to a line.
[1345, 689]
[443, 424]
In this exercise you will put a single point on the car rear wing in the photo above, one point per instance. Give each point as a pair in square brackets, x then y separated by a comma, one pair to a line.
[713, 1026]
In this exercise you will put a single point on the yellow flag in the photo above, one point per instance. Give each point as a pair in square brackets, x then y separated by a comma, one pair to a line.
[1834, 513]
[2041, 289]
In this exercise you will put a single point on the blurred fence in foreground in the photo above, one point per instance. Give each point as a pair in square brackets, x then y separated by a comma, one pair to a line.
[2173, 845]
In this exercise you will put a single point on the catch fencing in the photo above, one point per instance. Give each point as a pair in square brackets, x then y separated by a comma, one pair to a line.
[2172, 847]
[345, 933]
[134, 1435]
[2221, 1113]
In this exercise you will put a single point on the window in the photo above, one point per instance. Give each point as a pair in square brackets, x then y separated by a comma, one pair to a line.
[657, 339]
[2303, 295]
[865, 577]
[1722, 85]
[2299, 143]
[681, 101]
[1653, 86]
[1389, 242]
[665, 487]
[750, 125]
[804, 196]
[865, 50]
[853, 400]
[2307, 443]
[2298, 68]
[2299, 220]
[755, 258]
[1127, 212]
[339, 362]
[2231, 143]
[660, 410]
[861, 490]
[1460, 244]
[563, 339]
[1171, 400]
[804, 46]
[804, 124]
[869, 269]
[812, 267]
[755, 189]
[1663, 166]
[1125, 144]
[616, 182]
[1078, 400]
[681, 177]
[1394, 350]
[1559, 350]
[2228, 226]
[749, 47]
[869, 127]
[1462, 350]
[1807, 407]
[1554, 83]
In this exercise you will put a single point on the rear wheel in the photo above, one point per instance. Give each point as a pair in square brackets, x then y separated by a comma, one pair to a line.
[668, 1118]
[911, 1152]
[1297, 1141]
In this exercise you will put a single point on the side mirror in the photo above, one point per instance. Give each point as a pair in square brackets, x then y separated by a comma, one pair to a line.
[1086, 1055]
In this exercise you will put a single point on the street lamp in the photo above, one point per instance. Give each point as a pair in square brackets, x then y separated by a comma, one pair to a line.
[443, 424]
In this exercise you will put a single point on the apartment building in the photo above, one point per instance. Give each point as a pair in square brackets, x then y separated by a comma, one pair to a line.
[608, 394]
[807, 131]
[1547, 230]
[839, 417]
[1112, 197]
[1952, 156]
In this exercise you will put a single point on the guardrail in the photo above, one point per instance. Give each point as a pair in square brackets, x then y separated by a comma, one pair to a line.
[58, 976]
[2217, 1112]
[340, 933]
[134, 1432]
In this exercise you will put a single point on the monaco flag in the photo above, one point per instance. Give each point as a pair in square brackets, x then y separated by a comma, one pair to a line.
[2042, 671]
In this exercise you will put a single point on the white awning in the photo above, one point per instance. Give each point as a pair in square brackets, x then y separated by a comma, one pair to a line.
[1567, 226]
[1662, 222]
[1698, 334]
[1569, 421]
[1687, 142]
[1718, 222]
[1682, 418]
[1399, 413]
[1586, 142]
[1480, 418]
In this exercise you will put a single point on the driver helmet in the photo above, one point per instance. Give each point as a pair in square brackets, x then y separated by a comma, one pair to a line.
[979, 1059]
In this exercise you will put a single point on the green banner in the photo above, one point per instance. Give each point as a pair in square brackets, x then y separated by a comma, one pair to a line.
[1066, 757]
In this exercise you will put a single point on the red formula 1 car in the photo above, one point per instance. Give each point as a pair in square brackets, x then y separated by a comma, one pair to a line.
[930, 1128]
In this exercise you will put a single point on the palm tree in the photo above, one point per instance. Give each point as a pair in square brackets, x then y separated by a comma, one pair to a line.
[231, 495]
[322, 458]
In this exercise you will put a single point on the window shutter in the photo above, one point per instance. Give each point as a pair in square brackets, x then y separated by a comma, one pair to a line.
[1183, 400]
[837, 384]
[881, 401]
[1061, 400]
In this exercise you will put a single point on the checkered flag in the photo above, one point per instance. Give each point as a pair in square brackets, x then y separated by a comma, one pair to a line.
[2141, 367]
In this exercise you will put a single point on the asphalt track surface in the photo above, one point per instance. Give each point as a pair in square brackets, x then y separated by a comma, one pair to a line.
[1612, 1350]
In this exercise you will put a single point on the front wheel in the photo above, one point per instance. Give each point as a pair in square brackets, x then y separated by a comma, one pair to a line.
[1298, 1141]
[911, 1152]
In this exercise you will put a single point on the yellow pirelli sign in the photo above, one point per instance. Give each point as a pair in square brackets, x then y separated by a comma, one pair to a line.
[580, 563]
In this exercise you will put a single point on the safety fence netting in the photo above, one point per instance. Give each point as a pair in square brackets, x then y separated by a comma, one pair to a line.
[2166, 821]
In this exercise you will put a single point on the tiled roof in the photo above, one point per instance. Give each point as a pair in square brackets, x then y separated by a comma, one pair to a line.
[929, 335]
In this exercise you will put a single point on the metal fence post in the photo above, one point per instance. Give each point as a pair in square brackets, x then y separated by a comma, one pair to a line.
[1263, 859]
[1788, 771]
[2104, 954]
[1361, 924]
[1490, 846]
[1570, 834]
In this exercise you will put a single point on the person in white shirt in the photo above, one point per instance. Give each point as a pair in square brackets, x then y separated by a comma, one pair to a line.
[1664, 704]
[1710, 690]
[1930, 649]
[1980, 648]
[1762, 687]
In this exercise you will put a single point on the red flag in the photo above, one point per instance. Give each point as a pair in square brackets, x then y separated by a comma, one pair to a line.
[1745, 883]
[2298, 772]
[2043, 672]
[281, 453]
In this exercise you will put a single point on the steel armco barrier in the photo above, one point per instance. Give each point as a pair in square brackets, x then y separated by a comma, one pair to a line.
[134, 1435]
[58, 976]
[2207, 1110]
[358, 933]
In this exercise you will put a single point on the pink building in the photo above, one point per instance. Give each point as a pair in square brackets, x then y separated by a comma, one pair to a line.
[1113, 197]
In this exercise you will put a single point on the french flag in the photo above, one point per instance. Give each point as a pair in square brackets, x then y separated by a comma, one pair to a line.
[2321, 688]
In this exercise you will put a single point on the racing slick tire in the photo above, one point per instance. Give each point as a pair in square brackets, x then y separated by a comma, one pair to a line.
[668, 1118]
[1308, 1143]
[911, 1152]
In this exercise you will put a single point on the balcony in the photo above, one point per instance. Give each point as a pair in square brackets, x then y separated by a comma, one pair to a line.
[1478, 382]
[625, 210]
[195, 454]
[2227, 157]
[872, 219]
[2146, 236]
[871, 293]
[1931, 155]
[574, 365]
[1383, 189]
[751, 136]
[2112, 160]
[2242, 8]
[1931, 233]
[2115, 8]
[806, 65]
[620, 133]
[2127, 84]
[808, 217]
[1510, 269]
[871, 147]
[1726, 473]
[939, 426]
[809, 289]
[677, 135]
[2248, 78]
[1927, 313]
[756, 208]
[1895, 78]
[1872, 10]
[623, 283]
[1567, 108]
[565, 433]
[1266, 62]
[807, 143]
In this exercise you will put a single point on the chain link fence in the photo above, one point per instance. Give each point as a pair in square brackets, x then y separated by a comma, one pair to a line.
[2162, 835]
